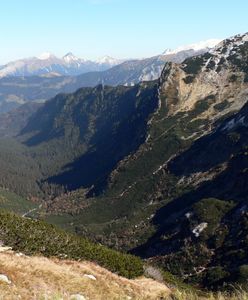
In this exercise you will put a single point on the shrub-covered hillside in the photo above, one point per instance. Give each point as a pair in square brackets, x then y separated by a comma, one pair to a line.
[37, 237]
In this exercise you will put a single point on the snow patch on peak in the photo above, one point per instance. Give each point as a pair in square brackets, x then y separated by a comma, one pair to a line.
[208, 44]
[70, 57]
[239, 37]
[107, 60]
[229, 46]
[245, 37]
[45, 55]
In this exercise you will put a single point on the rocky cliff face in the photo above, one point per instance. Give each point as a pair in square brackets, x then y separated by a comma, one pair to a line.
[215, 78]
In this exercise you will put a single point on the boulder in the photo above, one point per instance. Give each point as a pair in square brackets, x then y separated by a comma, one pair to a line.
[5, 279]
[77, 297]
[92, 277]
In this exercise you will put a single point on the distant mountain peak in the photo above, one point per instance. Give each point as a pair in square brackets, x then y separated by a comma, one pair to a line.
[69, 54]
[70, 57]
[208, 44]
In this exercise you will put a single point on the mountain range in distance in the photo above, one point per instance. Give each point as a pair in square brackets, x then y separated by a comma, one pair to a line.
[71, 65]
[49, 64]
[39, 79]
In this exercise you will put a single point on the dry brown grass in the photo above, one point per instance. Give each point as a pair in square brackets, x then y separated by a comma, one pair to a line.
[43, 278]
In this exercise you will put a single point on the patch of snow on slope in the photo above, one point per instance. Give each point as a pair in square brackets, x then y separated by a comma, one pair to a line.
[196, 47]
[70, 57]
[199, 228]
[108, 60]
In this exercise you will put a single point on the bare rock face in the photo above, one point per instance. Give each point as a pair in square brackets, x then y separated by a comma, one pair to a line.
[217, 79]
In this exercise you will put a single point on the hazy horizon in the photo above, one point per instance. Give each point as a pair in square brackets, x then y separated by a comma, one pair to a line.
[121, 29]
[101, 56]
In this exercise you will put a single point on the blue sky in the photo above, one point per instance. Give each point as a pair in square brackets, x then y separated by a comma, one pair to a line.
[119, 28]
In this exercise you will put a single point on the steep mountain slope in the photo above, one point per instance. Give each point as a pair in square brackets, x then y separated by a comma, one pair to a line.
[12, 121]
[187, 110]
[14, 91]
[211, 218]
[75, 140]
[205, 224]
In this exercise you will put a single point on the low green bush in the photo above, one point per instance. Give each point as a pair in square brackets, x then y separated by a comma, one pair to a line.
[243, 274]
[37, 237]
[216, 275]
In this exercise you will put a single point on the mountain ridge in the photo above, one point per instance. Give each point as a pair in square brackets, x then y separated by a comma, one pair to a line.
[47, 63]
